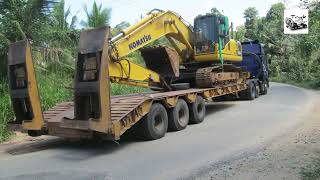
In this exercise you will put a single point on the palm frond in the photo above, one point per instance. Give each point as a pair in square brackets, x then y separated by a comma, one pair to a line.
[97, 17]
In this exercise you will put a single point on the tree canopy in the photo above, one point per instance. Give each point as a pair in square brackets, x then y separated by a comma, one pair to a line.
[98, 16]
[292, 57]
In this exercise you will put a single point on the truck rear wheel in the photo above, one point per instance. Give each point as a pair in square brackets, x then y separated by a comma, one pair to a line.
[155, 123]
[264, 88]
[197, 110]
[257, 89]
[250, 93]
[179, 116]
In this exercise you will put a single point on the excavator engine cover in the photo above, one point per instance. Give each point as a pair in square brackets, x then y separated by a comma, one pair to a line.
[163, 60]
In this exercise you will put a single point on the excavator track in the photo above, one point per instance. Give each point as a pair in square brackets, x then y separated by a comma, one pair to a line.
[203, 77]
[218, 75]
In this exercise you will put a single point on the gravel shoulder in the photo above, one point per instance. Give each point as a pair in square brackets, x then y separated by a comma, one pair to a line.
[295, 155]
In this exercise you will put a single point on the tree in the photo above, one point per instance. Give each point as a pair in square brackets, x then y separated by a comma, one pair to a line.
[251, 18]
[20, 19]
[60, 32]
[118, 28]
[240, 33]
[272, 31]
[98, 17]
[215, 11]
[59, 47]
[60, 15]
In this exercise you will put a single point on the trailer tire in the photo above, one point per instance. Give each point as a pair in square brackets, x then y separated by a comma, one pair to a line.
[251, 91]
[179, 116]
[180, 86]
[197, 110]
[155, 123]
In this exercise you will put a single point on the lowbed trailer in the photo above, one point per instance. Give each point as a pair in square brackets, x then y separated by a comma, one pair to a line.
[94, 113]
[128, 110]
[122, 113]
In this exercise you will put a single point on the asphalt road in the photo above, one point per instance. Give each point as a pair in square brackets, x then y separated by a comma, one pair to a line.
[230, 130]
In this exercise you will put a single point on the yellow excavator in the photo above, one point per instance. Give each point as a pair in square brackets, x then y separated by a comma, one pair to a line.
[189, 60]
[197, 57]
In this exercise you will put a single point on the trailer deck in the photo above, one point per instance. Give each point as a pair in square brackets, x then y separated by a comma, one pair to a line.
[126, 110]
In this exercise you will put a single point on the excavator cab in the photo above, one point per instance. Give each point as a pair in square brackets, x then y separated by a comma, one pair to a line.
[208, 29]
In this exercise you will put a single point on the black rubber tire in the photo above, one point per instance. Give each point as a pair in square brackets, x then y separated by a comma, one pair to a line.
[155, 123]
[264, 88]
[257, 89]
[251, 91]
[179, 116]
[197, 111]
[242, 95]
[180, 86]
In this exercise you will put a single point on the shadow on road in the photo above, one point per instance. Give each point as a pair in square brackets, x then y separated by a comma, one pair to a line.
[214, 107]
[86, 148]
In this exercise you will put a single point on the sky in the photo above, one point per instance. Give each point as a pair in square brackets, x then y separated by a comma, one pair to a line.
[132, 10]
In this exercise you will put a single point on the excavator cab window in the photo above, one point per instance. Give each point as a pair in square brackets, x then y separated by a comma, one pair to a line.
[208, 29]
[206, 34]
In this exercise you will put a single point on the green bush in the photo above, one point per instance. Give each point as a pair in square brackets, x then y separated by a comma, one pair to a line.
[53, 88]
[6, 112]
[120, 89]
[52, 91]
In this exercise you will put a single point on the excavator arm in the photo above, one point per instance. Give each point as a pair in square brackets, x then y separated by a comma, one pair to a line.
[155, 25]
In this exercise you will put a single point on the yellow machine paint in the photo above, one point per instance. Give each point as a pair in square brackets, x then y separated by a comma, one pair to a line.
[126, 72]
[149, 29]
[231, 52]
[153, 27]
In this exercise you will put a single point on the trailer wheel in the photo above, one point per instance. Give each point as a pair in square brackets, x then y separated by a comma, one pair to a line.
[197, 110]
[155, 123]
[179, 116]
[250, 92]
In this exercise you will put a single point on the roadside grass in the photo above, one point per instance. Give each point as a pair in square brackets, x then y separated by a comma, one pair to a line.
[53, 88]
[120, 89]
[6, 112]
[311, 171]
